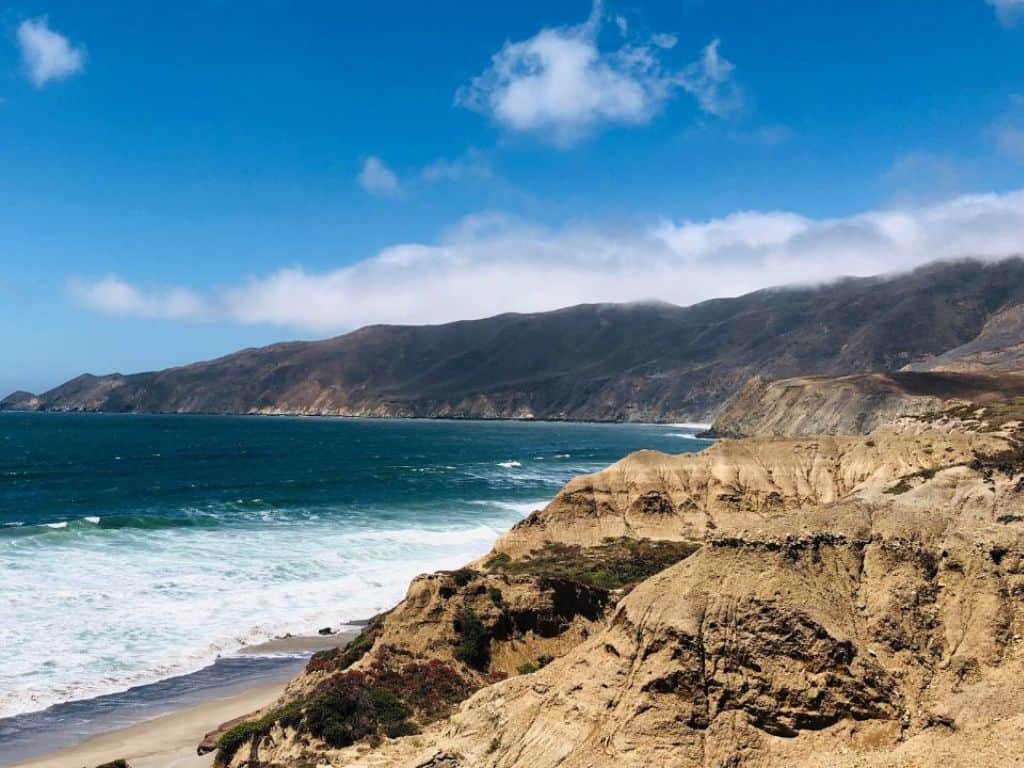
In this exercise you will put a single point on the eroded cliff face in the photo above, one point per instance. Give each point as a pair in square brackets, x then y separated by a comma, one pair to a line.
[852, 601]
[520, 618]
[857, 404]
[756, 653]
[847, 405]
[878, 626]
[454, 633]
[734, 485]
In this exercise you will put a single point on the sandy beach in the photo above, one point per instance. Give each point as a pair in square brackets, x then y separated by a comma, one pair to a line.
[170, 741]
[166, 742]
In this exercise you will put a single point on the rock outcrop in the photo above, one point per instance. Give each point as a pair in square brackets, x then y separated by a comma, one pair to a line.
[849, 601]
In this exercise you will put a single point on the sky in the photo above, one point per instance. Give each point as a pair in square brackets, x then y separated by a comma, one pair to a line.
[181, 180]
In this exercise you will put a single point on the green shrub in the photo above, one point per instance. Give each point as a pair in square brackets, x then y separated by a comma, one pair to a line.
[614, 564]
[463, 576]
[527, 669]
[404, 728]
[474, 650]
[498, 561]
[387, 706]
[357, 704]
[336, 659]
[901, 487]
[244, 733]
[431, 687]
[496, 596]
[325, 661]
[342, 711]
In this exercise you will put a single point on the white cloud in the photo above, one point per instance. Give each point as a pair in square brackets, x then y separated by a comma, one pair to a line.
[664, 40]
[377, 179]
[113, 296]
[558, 84]
[47, 55]
[490, 263]
[1008, 11]
[710, 81]
[472, 164]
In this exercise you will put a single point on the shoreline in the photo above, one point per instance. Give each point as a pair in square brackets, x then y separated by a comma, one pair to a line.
[168, 741]
[163, 727]
[343, 416]
[160, 725]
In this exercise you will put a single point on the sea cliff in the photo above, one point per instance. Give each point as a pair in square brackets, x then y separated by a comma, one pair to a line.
[829, 600]
[858, 404]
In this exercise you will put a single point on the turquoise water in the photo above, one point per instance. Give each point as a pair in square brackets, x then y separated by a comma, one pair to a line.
[134, 548]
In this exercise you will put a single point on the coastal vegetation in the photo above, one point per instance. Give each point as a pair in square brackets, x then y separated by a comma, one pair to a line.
[474, 649]
[334, 659]
[364, 691]
[613, 565]
[384, 700]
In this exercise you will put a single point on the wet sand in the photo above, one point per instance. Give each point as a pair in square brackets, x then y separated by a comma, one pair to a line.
[170, 740]
[166, 742]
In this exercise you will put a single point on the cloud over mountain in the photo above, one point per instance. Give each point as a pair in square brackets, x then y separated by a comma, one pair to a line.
[490, 263]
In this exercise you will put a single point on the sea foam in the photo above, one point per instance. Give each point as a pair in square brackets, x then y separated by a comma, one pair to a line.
[163, 602]
[215, 533]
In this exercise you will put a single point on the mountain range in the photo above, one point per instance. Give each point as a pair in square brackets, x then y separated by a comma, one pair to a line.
[601, 362]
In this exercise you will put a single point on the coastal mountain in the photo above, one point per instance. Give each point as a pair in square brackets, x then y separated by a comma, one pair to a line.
[999, 346]
[645, 362]
[20, 401]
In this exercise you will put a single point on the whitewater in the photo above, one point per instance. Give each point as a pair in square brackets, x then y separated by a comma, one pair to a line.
[136, 548]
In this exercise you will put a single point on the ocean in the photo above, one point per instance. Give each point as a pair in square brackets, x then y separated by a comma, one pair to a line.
[135, 548]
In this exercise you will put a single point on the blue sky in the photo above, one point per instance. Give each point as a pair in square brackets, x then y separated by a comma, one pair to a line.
[181, 180]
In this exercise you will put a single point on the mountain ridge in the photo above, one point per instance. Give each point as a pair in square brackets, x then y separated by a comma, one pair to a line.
[597, 362]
